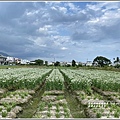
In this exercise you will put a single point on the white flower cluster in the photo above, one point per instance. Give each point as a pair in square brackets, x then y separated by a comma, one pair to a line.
[23, 76]
[56, 76]
[55, 81]
[106, 80]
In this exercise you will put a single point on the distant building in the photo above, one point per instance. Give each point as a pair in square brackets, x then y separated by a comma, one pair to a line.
[10, 60]
[24, 62]
[83, 64]
[116, 63]
[79, 63]
[51, 63]
[63, 63]
[69, 63]
[2, 60]
[32, 62]
[95, 64]
[89, 63]
[17, 61]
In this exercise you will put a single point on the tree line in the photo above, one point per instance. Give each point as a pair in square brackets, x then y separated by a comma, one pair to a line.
[99, 61]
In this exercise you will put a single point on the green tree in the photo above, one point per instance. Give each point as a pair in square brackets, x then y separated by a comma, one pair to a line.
[39, 62]
[57, 63]
[73, 63]
[46, 63]
[117, 60]
[101, 61]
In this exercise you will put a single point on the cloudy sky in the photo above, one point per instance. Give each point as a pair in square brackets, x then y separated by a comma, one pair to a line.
[60, 30]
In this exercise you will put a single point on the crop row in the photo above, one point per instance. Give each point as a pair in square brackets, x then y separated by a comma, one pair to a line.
[53, 105]
[84, 79]
[55, 81]
[22, 77]
[78, 79]
[97, 91]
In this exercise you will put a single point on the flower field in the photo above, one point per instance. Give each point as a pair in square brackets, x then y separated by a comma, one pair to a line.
[97, 92]
[55, 81]
[17, 87]
[21, 78]
[80, 79]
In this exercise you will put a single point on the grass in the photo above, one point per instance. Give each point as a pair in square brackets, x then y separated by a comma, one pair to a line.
[88, 91]
[98, 115]
[1, 109]
[111, 110]
[57, 106]
[65, 110]
[37, 116]
[83, 97]
[25, 94]
[61, 104]
[9, 108]
[4, 113]
[106, 106]
[102, 110]
[48, 114]
[116, 114]
[65, 105]
[9, 66]
[118, 109]
[5, 104]
[4, 95]
[108, 116]
[59, 97]
[57, 115]
[49, 105]
[13, 104]
[48, 109]
[73, 106]
[67, 115]
[94, 110]
[22, 66]
[57, 110]
[22, 96]
[42, 105]
[11, 96]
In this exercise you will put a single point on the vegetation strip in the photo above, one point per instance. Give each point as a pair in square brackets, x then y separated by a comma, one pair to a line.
[30, 107]
[53, 106]
[77, 81]
[68, 93]
[110, 96]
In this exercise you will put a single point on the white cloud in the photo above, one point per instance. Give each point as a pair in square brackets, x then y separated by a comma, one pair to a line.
[59, 28]
[64, 48]
[53, 8]
[32, 13]
[45, 28]
[63, 9]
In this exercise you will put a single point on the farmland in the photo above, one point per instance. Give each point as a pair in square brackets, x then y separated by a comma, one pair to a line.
[59, 93]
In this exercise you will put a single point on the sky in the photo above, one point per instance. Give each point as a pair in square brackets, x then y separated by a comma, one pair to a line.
[60, 30]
